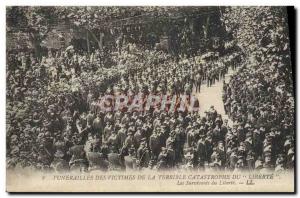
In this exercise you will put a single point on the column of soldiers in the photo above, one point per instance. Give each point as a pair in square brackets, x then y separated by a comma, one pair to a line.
[75, 135]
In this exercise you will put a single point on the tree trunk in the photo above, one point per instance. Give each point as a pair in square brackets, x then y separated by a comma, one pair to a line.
[99, 41]
[88, 41]
[36, 43]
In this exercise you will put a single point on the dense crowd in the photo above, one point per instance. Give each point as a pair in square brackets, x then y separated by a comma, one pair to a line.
[259, 98]
[263, 118]
[55, 124]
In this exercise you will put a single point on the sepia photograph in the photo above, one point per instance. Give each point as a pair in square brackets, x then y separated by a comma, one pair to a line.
[150, 99]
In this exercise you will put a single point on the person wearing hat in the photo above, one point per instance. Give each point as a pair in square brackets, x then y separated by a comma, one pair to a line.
[138, 136]
[143, 156]
[233, 158]
[97, 162]
[241, 135]
[250, 162]
[121, 136]
[171, 155]
[220, 149]
[114, 159]
[189, 159]
[224, 129]
[97, 125]
[201, 152]
[44, 157]
[113, 140]
[154, 145]
[216, 164]
[59, 165]
[129, 139]
[179, 143]
[216, 134]
[209, 147]
[198, 81]
[130, 159]
[190, 137]
[290, 159]
[240, 165]
[107, 131]
[257, 143]
[78, 161]
[162, 159]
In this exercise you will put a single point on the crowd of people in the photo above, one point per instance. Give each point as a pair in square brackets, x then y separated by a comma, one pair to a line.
[259, 98]
[263, 118]
[53, 123]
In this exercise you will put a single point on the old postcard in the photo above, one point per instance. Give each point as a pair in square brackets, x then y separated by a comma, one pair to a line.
[149, 99]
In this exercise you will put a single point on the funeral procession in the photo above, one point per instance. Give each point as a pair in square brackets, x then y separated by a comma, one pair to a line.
[107, 88]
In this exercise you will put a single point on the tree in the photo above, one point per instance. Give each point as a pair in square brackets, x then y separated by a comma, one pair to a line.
[35, 21]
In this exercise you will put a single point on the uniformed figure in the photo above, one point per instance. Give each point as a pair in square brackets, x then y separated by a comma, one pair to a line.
[97, 162]
[143, 156]
[130, 160]
[78, 161]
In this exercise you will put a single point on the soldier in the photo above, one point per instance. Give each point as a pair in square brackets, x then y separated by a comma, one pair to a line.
[240, 165]
[216, 164]
[216, 135]
[130, 159]
[90, 118]
[233, 158]
[267, 166]
[107, 131]
[221, 151]
[78, 160]
[129, 141]
[137, 138]
[97, 162]
[257, 143]
[121, 136]
[198, 82]
[143, 156]
[154, 145]
[290, 159]
[59, 164]
[209, 78]
[280, 163]
[224, 129]
[208, 147]
[189, 158]
[114, 159]
[98, 126]
[190, 137]
[162, 159]
[201, 152]
[250, 161]
[112, 141]
[179, 143]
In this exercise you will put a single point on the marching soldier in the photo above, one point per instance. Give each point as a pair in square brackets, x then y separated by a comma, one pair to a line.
[98, 126]
[78, 160]
[114, 159]
[130, 159]
[143, 156]
[97, 162]
[162, 163]
[201, 152]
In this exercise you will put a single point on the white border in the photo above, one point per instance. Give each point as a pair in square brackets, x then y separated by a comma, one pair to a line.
[3, 4]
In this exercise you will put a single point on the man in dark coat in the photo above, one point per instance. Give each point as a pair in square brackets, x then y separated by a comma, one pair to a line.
[59, 164]
[143, 155]
[130, 159]
[201, 152]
